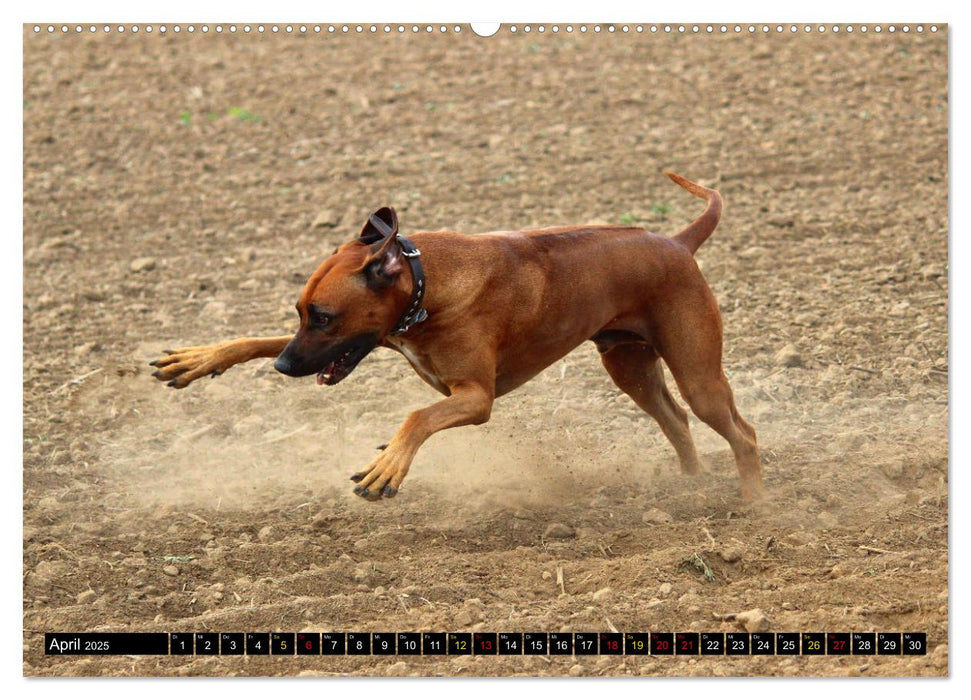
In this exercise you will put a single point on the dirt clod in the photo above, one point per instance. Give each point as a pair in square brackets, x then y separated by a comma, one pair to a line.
[938, 656]
[731, 554]
[604, 595]
[559, 531]
[142, 265]
[326, 218]
[656, 516]
[789, 356]
[753, 620]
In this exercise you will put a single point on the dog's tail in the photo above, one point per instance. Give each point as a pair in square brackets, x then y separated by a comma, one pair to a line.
[699, 230]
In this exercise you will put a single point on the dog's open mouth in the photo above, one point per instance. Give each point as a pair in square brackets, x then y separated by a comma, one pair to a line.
[344, 364]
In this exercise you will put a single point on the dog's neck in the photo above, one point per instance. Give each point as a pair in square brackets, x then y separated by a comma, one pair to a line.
[414, 312]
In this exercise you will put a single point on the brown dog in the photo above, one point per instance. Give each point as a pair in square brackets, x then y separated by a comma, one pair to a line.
[496, 310]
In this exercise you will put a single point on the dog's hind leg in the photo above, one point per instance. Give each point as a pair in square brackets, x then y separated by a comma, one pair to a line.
[710, 398]
[689, 339]
[635, 369]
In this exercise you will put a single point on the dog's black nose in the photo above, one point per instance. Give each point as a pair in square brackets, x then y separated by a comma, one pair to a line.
[283, 365]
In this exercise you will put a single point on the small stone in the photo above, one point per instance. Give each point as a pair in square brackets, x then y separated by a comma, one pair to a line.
[265, 534]
[665, 589]
[798, 538]
[463, 619]
[656, 516]
[326, 218]
[900, 308]
[86, 596]
[85, 349]
[576, 670]
[142, 265]
[603, 595]
[547, 575]
[789, 356]
[397, 669]
[379, 590]
[731, 554]
[559, 531]
[753, 252]
[938, 657]
[170, 570]
[753, 620]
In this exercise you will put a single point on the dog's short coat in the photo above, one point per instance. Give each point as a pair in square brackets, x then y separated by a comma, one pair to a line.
[502, 307]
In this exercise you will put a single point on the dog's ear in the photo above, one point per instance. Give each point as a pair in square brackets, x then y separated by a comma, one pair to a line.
[381, 224]
[386, 261]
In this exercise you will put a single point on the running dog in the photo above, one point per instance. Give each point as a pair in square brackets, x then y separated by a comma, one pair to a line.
[478, 316]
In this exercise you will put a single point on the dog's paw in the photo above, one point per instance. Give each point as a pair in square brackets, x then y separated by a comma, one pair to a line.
[368, 494]
[381, 478]
[179, 368]
[376, 494]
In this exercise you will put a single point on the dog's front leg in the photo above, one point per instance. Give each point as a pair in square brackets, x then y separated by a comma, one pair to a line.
[468, 404]
[183, 366]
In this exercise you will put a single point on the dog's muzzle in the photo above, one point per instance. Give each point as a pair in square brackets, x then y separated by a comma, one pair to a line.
[331, 364]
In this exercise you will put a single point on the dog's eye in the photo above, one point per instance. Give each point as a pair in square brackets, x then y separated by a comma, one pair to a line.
[320, 319]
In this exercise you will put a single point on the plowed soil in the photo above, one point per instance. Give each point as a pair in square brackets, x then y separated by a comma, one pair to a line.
[179, 190]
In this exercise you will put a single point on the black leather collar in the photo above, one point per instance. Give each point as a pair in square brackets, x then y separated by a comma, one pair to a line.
[413, 313]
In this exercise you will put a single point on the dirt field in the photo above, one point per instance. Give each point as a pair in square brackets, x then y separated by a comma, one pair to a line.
[179, 190]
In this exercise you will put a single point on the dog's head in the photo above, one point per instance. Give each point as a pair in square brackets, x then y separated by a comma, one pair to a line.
[349, 304]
